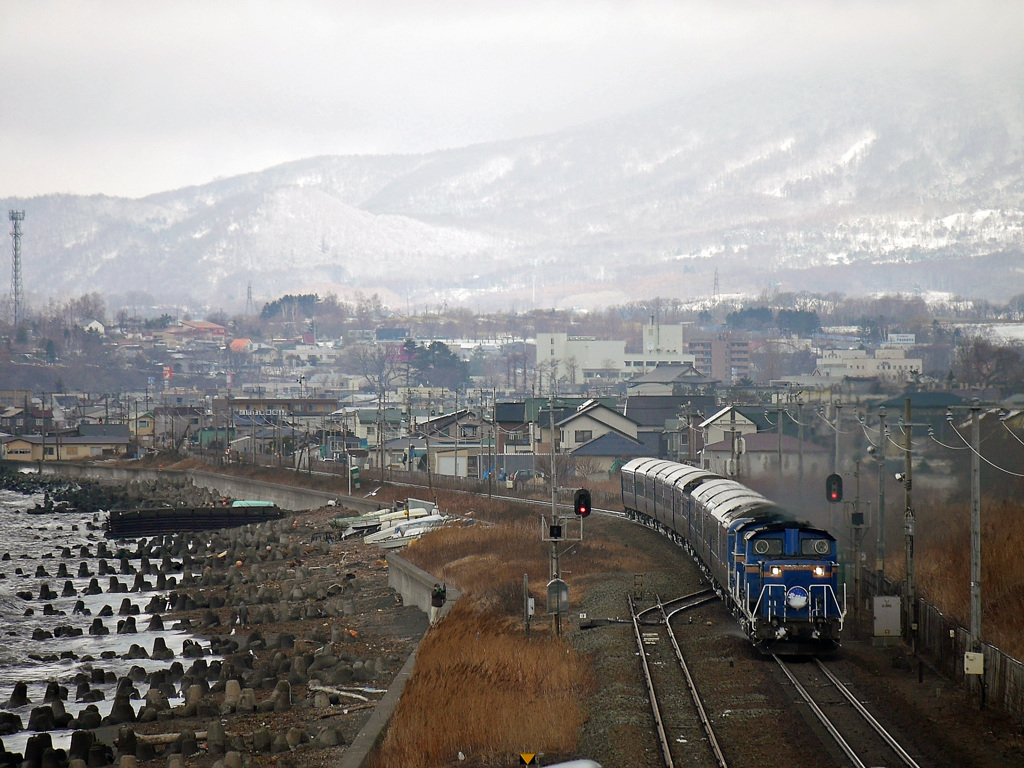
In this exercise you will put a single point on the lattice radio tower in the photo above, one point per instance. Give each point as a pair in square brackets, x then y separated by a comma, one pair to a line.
[250, 305]
[716, 294]
[17, 296]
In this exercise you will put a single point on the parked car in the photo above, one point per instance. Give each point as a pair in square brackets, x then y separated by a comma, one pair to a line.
[526, 477]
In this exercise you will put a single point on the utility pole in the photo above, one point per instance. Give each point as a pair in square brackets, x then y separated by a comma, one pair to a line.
[555, 568]
[975, 526]
[908, 522]
[856, 532]
[880, 551]
[800, 439]
[839, 422]
[42, 416]
[691, 433]
[732, 450]
[835, 461]
[778, 415]
[426, 437]
[492, 445]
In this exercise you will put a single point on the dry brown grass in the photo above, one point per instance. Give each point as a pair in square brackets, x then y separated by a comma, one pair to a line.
[488, 560]
[482, 687]
[943, 566]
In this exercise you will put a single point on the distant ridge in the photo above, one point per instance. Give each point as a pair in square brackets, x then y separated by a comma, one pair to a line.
[896, 182]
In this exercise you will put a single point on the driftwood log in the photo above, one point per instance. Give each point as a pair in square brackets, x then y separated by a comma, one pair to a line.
[165, 738]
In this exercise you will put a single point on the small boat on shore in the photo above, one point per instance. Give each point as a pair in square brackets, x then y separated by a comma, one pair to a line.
[402, 534]
[388, 517]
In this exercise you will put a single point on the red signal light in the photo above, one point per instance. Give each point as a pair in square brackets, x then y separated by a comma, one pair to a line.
[581, 502]
[834, 488]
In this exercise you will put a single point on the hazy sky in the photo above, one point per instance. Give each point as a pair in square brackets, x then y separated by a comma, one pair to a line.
[124, 97]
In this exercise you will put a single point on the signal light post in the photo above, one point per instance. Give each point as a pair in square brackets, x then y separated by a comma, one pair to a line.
[581, 503]
[556, 529]
[834, 488]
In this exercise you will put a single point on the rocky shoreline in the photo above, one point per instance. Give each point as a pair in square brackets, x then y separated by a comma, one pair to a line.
[291, 638]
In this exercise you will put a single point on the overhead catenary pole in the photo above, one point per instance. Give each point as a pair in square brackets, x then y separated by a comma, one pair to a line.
[839, 422]
[555, 570]
[908, 527]
[800, 440]
[778, 415]
[492, 445]
[836, 461]
[856, 529]
[880, 550]
[975, 526]
[735, 469]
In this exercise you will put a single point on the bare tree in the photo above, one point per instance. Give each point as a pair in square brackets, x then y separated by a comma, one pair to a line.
[571, 366]
[381, 366]
[585, 466]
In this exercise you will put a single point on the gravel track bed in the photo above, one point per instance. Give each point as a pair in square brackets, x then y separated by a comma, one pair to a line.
[756, 714]
[750, 713]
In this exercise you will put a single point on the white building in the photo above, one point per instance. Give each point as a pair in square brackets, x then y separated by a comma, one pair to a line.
[888, 365]
[577, 359]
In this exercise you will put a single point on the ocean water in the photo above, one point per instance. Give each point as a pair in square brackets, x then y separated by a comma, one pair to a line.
[38, 540]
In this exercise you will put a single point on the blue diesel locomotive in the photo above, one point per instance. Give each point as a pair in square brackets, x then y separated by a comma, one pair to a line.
[779, 576]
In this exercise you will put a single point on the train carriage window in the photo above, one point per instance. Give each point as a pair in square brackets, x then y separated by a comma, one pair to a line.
[768, 546]
[814, 547]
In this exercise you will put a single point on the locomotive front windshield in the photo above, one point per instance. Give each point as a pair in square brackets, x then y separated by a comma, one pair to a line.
[815, 547]
[768, 546]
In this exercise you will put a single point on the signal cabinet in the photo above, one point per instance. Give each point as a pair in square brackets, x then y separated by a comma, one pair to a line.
[887, 617]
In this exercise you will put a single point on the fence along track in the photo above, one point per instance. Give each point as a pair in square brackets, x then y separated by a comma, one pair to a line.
[842, 741]
[664, 665]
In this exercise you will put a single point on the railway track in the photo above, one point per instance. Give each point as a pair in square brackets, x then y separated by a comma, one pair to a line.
[684, 731]
[863, 741]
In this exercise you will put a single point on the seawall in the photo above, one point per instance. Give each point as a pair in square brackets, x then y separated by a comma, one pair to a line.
[285, 496]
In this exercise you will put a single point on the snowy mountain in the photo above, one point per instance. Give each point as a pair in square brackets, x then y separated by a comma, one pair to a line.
[893, 182]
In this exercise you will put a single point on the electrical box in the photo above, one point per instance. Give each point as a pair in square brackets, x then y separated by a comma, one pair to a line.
[887, 617]
[974, 663]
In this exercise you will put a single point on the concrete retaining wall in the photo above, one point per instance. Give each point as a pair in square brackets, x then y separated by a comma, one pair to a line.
[285, 496]
[414, 585]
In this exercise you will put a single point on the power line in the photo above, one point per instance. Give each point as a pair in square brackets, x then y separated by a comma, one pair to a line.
[1003, 422]
[978, 454]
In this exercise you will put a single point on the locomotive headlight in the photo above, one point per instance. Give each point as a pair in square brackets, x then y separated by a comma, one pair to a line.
[776, 571]
[819, 570]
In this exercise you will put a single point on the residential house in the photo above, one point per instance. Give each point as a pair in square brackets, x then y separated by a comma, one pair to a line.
[512, 428]
[64, 447]
[756, 455]
[591, 420]
[174, 424]
[372, 427]
[604, 455]
[723, 423]
[666, 423]
[458, 440]
[679, 380]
